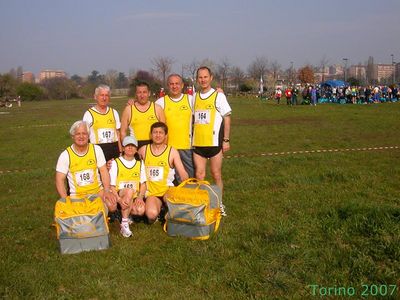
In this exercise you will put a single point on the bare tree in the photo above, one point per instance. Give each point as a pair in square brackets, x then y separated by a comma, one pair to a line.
[163, 66]
[208, 63]
[131, 74]
[20, 71]
[111, 77]
[223, 69]
[13, 73]
[258, 68]
[275, 69]
[290, 74]
[370, 70]
[322, 66]
[191, 68]
[238, 76]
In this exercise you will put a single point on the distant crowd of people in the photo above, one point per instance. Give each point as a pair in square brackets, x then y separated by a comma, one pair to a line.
[313, 94]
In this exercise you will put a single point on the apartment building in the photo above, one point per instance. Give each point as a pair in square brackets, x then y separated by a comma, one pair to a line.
[47, 74]
[28, 77]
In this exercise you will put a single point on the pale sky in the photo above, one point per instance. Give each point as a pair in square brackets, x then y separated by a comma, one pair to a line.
[85, 35]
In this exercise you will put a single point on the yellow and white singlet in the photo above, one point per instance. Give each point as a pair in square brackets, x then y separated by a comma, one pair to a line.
[207, 121]
[104, 127]
[141, 122]
[128, 177]
[159, 173]
[83, 176]
[178, 115]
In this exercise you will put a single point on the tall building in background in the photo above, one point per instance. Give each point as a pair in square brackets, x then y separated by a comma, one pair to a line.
[358, 72]
[47, 74]
[384, 72]
[336, 71]
[322, 74]
[28, 77]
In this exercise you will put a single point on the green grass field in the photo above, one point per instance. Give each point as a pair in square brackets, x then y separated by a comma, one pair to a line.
[298, 223]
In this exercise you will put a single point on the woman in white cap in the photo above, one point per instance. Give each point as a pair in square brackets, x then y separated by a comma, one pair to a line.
[128, 183]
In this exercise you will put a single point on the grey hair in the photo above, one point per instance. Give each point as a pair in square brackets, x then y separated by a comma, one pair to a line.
[175, 75]
[102, 87]
[78, 124]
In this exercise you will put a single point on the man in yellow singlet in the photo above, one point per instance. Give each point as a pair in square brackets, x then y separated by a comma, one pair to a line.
[104, 124]
[178, 110]
[211, 129]
[160, 162]
[83, 165]
[139, 116]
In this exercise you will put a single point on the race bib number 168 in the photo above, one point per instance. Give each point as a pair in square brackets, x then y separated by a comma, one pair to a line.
[84, 177]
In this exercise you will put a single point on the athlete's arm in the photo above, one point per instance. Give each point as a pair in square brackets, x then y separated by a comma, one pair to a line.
[142, 152]
[160, 113]
[142, 192]
[118, 129]
[119, 140]
[126, 115]
[105, 179]
[227, 131]
[60, 184]
[178, 165]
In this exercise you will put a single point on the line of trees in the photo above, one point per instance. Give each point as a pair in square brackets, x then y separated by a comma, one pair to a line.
[229, 77]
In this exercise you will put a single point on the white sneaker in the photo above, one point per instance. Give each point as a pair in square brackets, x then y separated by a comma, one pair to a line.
[223, 212]
[125, 231]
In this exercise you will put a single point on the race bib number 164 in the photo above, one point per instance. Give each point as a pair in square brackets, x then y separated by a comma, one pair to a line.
[202, 117]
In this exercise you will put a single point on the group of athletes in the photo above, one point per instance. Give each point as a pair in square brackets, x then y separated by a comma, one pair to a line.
[131, 162]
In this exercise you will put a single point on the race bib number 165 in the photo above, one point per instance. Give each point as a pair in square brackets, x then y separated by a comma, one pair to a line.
[155, 173]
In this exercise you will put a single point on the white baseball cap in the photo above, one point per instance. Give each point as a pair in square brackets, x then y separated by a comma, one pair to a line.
[129, 140]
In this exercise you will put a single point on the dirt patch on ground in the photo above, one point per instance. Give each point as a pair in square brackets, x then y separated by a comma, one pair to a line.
[275, 121]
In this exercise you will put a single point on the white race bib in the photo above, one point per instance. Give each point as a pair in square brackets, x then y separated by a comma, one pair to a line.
[127, 185]
[155, 173]
[105, 135]
[84, 177]
[202, 116]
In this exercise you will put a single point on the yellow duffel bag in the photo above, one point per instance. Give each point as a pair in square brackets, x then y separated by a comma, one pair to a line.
[81, 224]
[193, 209]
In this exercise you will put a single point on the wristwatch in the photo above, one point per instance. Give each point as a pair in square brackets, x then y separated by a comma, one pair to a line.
[225, 140]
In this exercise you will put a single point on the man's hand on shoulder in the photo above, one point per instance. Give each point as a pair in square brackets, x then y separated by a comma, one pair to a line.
[130, 102]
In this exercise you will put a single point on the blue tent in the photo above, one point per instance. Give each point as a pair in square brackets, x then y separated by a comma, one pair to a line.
[335, 83]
